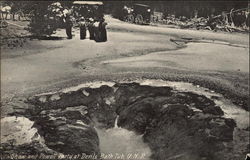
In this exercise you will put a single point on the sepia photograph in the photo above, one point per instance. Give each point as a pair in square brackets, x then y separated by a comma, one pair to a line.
[124, 80]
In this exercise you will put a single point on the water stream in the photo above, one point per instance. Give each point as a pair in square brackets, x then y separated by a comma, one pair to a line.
[119, 143]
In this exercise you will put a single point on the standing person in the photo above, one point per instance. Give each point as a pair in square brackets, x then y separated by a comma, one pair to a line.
[247, 18]
[91, 29]
[68, 23]
[97, 35]
[82, 25]
[103, 31]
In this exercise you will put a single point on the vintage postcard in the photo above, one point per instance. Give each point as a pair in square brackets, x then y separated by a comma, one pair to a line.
[125, 80]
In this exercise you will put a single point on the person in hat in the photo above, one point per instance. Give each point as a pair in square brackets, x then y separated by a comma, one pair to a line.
[91, 29]
[68, 23]
[102, 30]
[82, 25]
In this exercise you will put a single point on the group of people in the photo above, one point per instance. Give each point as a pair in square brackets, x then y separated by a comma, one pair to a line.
[87, 19]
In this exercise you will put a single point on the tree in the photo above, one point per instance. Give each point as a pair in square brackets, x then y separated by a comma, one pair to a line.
[46, 19]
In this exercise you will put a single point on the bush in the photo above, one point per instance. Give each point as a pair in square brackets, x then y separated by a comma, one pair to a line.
[46, 19]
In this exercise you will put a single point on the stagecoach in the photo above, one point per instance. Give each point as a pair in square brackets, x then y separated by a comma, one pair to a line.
[88, 9]
[139, 14]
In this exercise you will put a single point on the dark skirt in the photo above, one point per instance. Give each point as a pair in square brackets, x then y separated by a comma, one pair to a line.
[82, 32]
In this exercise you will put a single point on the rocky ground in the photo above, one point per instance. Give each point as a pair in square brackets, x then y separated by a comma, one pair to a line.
[65, 122]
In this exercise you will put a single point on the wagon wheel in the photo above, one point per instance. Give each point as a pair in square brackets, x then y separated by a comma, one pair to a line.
[28, 16]
[20, 15]
[4, 24]
[153, 19]
[130, 18]
[139, 19]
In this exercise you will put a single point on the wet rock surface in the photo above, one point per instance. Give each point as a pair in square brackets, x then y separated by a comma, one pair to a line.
[68, 131]
[171, 127]
[18, 136]
[177, 125]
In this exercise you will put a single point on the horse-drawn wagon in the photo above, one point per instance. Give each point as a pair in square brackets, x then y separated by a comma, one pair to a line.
[138, 13]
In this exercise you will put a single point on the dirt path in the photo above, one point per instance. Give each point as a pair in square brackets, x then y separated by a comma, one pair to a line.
[54, 63]
[211, 57]
[238, 38]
